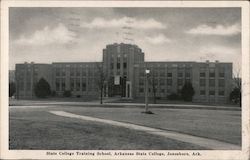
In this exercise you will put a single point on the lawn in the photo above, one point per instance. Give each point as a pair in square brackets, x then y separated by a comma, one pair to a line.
[38, 129]
[214, 124]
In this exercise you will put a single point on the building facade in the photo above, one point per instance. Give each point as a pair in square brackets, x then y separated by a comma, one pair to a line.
[122, 73]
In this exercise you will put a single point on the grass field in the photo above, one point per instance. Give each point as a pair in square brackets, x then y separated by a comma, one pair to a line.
[215, 124]
[38, 129]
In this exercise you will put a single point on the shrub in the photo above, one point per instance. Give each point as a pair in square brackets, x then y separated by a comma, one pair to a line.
[173, 96]
[67, 93]
[12, 89]
[187, 92]
[42, 88]
[53, 93]
[235, 96]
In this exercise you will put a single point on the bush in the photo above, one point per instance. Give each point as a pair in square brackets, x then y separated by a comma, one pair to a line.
[12, 89]
[235, 96]
[67, 93]
[173, 96]
[158, 98]
[187, 92]
[53, 93]
[42, 88]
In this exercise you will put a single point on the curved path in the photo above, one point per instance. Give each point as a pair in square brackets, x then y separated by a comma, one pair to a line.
[204, 142]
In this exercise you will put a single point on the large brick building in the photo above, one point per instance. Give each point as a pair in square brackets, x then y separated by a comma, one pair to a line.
[124, 68]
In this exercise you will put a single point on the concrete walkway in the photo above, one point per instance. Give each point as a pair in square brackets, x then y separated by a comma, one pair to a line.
[204, 142]
[110, 104]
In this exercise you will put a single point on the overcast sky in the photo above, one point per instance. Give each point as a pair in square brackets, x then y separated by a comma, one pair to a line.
[46, 35]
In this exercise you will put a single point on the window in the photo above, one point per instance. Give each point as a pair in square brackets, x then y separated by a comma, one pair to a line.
[63, 84]
[162, 90]
[169, 74]
[84, 85]
[180, 74]
[89, 85]
[211, 73]
[202, 82]
[91, 72]
[211, 82]
[28, 86]
[155, 72]
[118, 66]
[78, 84]
[141, 90]
[221, 74]
[221, 83]
[72, 84]
[63, 72]
[28, 74]
[141, 82]
[21, 86]
[72, 72]
[169, 82]
[187, 80]
[77, 71]
[155, 90]
[84, 72]
[162, 82]
[187, 74]
[142, 72]
[57, 84]
[202, 92]
[36, 73]
[202, 74]
[221, 93]
[155, 81]
[212, 93]
[162, 73]
[57, 72]
[180, 82]
[124, 65]
[112, 65]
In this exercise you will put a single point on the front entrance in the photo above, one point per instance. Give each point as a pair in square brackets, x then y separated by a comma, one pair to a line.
[117, 87]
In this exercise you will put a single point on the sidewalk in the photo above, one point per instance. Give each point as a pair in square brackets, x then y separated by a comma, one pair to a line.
[204, 142]
[109, 103]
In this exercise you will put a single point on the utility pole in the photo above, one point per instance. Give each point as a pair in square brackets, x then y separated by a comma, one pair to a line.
[146, 90]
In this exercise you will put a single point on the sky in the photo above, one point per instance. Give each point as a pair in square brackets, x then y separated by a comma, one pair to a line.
[46, 35]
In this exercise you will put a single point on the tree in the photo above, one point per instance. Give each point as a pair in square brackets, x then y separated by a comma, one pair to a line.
[187, 92]
[101, 79]
[42, 88]
[235, 96]
[12, 89]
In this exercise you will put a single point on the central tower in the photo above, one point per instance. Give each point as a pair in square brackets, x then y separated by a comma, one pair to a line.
[119, 61]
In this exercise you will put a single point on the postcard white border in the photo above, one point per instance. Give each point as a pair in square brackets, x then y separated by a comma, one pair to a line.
[242, 154]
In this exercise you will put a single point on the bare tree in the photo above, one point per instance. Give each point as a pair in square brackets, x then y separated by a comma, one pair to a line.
[237, 79]
[235, 95]
[100, 79]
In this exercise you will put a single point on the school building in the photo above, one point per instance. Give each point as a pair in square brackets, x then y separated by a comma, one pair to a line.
[122, 72]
